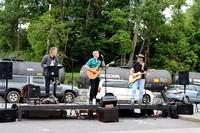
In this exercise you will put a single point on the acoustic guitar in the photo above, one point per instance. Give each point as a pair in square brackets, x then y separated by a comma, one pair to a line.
[92, 75]
[138, 76]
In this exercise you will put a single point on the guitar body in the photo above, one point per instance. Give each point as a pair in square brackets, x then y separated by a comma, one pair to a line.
[138, 76]
[92, 75]
[133, 80]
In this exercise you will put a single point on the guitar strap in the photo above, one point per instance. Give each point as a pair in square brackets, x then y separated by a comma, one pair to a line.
[143, 67]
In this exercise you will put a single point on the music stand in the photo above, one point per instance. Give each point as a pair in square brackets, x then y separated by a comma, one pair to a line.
[54, 73]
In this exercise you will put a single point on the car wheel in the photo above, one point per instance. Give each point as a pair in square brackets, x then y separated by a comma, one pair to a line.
[186, 99]
[146, 99]
[13, 97]
[69, 97]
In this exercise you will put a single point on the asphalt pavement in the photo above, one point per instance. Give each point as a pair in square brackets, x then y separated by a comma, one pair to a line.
[125, 125]
[185, 124]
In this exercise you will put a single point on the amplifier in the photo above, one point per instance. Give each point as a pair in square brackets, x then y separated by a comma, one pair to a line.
[33, 92]
[108, 100]
[7, 115]
[108, 114]
[185, 109]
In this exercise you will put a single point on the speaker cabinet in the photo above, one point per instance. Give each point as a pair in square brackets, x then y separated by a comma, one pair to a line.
[185, 109]
[108, 114]
[7, 115]
[6, 70]
[33, 92]
[183, 77]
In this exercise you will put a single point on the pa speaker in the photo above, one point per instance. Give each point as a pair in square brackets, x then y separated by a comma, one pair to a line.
[6, 70]
[183, 77]
[186, 109]
[33, 92]
[7, 115]
[108, 100]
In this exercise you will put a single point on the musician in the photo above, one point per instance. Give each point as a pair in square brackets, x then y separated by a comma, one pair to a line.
[49, 60]
[139, 66]
[92, 63]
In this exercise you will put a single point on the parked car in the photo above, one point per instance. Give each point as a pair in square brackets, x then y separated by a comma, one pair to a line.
[122, 89]
[176, 92]
[63, 92]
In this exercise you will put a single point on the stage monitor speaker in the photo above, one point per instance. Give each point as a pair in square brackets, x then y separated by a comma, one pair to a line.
[183, 77]
[185, 109]
[7, 115]
[6, 70]
[33, 92]
[108, 100]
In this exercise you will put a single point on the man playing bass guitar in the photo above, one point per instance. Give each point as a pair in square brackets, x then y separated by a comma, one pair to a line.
[139, 66]
[94, 82]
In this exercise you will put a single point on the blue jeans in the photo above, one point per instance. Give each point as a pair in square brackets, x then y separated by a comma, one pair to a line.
[139, 82]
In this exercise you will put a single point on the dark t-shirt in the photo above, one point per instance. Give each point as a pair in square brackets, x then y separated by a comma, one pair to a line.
[138, 68]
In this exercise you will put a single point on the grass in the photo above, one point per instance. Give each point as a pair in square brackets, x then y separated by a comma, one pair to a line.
[68, 77]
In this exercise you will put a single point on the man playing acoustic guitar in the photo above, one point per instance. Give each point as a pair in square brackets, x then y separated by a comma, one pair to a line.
[139, 66]
[94, 82]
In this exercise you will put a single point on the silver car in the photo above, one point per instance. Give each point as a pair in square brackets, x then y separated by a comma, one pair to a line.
[176, 92]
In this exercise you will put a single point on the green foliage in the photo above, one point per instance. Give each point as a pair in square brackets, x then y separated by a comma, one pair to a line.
[79, 27]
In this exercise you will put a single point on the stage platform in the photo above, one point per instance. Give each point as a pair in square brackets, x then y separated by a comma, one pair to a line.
[83, 106]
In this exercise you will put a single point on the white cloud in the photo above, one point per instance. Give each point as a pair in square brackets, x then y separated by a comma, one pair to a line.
[167, 11]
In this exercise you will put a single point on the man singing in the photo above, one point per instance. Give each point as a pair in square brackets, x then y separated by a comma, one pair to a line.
[139, 66]
[92, 63]
[49, 60]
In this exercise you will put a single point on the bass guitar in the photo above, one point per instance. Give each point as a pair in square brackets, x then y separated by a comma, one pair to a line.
[138, 76]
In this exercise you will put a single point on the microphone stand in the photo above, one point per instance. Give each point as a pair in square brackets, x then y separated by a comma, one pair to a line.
[72, 67]
[105, 74]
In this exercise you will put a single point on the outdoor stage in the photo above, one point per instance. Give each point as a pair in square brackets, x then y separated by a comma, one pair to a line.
[83, 106]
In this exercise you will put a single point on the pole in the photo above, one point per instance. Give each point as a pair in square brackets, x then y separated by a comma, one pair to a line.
[18, 43]
[72, 74]
[103, 63]
[6, 91]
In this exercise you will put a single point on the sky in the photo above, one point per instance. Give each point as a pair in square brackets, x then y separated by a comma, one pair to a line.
[166, 11]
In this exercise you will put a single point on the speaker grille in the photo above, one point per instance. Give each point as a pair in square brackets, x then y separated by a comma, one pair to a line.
[183, 77]
[6, 70]
[33, 92]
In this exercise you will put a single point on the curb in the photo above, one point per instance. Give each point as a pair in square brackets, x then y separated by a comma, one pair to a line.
[189, 118]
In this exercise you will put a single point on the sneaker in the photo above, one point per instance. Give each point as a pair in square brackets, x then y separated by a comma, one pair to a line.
[140, 102]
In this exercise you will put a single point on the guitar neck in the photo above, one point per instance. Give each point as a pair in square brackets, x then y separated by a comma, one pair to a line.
[143, 72]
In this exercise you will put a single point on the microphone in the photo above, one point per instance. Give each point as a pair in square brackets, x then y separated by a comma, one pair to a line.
[60, 55]
[102, 56]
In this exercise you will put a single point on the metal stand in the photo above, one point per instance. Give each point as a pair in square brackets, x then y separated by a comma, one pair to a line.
[184, 94]
[72, 69]
[104, 66]
[6, 91]
[54, 73]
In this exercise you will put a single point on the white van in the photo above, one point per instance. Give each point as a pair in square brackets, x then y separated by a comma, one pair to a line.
[122, 89]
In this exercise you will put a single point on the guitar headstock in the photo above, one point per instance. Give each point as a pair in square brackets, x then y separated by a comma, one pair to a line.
[152, 70]
[112, 62]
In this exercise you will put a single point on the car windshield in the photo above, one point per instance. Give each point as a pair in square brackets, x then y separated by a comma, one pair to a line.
[175, 87]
